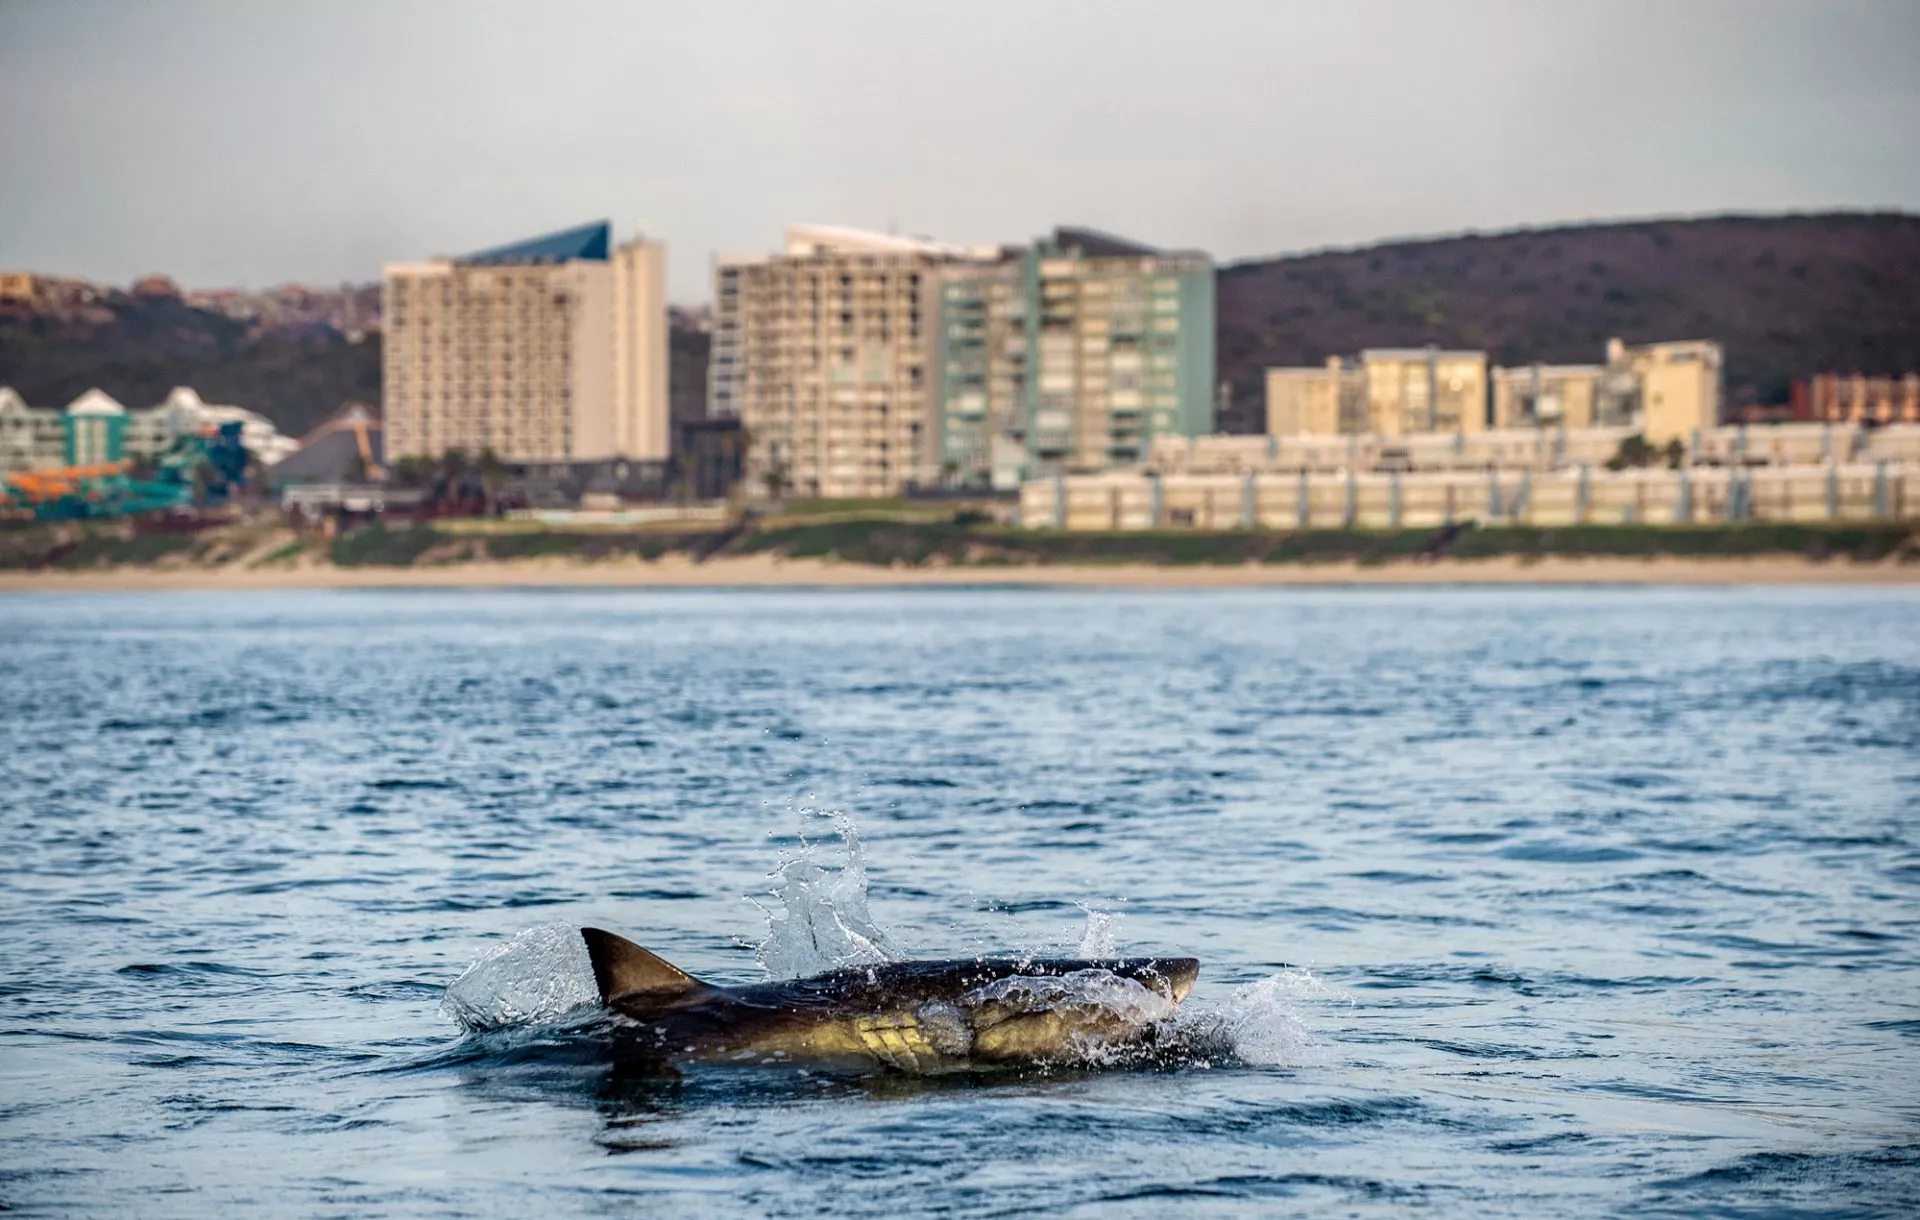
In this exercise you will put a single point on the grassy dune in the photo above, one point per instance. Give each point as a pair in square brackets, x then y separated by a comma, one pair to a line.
[890, 541]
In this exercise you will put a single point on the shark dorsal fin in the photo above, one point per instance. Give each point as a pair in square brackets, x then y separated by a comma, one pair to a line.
[622, 968]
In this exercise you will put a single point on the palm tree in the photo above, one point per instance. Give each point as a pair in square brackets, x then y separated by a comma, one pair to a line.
[775, 477]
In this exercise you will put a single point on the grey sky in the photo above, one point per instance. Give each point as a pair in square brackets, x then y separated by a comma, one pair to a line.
[266, 140]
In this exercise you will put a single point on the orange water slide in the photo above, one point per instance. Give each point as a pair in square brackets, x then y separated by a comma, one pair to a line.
[56, 482]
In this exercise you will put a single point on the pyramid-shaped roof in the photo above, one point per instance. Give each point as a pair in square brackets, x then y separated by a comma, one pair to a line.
[1092, 243]
[95, 402]
[590, 241]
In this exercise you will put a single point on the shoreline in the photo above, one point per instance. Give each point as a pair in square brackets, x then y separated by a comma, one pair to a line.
[768, 572]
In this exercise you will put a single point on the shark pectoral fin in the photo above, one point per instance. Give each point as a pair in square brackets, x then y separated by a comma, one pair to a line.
[622, 968]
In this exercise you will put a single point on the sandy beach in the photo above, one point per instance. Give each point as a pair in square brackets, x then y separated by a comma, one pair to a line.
[761, 571]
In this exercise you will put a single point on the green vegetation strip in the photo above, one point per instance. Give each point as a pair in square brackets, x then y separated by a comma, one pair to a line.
[74, 547]
[890, 542]
[913, 544]
[378, 546]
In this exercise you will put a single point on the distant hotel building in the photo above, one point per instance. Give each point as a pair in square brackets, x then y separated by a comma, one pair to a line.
[1072, 355]
[1666, 390]
[822, 351]
[550, 350]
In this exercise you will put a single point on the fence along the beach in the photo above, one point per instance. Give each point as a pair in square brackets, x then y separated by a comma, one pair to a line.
[1536, 448]
[1580, 495]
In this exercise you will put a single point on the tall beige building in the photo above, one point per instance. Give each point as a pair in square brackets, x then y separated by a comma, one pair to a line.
[1387, 391]
[822, 351]
[549, 350]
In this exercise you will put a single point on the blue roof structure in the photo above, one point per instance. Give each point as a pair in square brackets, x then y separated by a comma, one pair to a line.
[590, 241]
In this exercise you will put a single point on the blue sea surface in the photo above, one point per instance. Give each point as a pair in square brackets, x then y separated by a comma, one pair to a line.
[1575, 901]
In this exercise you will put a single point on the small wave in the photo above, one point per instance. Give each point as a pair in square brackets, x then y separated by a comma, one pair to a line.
[185, 970]
[1550, 852]
[1791, 1181]
[1908, 1027]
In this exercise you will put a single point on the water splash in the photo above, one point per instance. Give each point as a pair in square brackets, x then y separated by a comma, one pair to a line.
[1259, 1025]
[1097, 939]
[821, 921]
[539, 975]
[1104, 1010]
[1089, 989]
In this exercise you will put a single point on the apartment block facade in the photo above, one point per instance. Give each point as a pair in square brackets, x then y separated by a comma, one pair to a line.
[1073, 354]
[1388, 391]
[1667, 391]
[549, 350]
[822, 352]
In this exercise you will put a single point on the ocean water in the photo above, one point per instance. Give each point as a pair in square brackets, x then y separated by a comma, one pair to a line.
[1510, 901]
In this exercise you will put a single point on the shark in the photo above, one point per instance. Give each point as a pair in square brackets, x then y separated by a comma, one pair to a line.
[917, 1017]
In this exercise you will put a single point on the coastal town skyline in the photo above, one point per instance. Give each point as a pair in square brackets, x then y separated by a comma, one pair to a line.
[1246, 131]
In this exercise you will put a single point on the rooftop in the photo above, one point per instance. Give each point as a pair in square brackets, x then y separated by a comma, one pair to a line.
[841, 239]
[590, 242]
[1092, 243]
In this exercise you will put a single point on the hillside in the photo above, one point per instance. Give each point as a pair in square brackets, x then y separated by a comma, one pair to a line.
[1787, 295]
[138, 348]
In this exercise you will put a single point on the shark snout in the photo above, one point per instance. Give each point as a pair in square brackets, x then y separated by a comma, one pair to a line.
[1179, 972]
[1171, 977]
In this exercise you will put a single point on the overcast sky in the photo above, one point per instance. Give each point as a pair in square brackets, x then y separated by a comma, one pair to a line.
[260, 141]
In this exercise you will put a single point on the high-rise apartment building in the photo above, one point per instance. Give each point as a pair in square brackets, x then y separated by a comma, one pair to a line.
[549, 350]
[1071, 355]
[822, 351]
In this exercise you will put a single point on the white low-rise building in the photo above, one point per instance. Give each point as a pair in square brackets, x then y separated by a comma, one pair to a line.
[184, 412]
[29, 438]
[95, 428]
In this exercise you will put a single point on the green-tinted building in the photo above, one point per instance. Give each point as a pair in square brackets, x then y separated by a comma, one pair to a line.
[96, 429]
[1072, 355]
